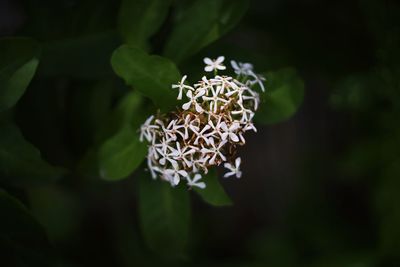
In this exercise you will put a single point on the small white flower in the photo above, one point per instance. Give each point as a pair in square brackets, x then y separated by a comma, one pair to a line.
[193, 101]
[242, 68]
[214, 150]
[174, 175]
[258, 79]
[181, 154]
[147, 130]
[202, 135]
[195, 182]
[234, 169]
[230, 131]
[215, 64]
[214, 99]
[181, 85]
[187, 124]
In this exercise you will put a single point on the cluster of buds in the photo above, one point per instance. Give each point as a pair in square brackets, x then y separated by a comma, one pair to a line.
[206, 130]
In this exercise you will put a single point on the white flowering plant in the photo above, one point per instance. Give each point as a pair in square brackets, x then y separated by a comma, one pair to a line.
[207, 128]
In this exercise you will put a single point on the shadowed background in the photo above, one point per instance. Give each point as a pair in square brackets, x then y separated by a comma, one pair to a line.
[318, 189]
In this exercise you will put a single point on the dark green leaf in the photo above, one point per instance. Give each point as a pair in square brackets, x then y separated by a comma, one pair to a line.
[164, 216]
[20, 161]
[139, 20]
[214, 193]
[23, 241]
[86, 57]
[120, 155]
[191, 34]
[151, 75]
[19, 58]
[283, 96]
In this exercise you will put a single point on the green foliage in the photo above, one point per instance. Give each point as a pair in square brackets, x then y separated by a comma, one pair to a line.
[214, 193]
[191, 34]
[149, 74]
[164, 216]
[84, 57]
[139, 20]
[284, 95]
[23, 241]
[121, 154]
[20, 162]
[19, 58]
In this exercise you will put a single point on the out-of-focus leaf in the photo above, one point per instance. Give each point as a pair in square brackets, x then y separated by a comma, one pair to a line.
[120, 155]
[284, 95]
[57, 209]
[19, 58]
[386, 199]
[217, 18]
[151, 75]
[23, 241]
[131, 111]
[164, 216]
[86, 57]
[20, 161]
[214, 193]
[355, 92]
[139, 20]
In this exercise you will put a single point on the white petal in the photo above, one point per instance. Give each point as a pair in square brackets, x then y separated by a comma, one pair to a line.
[207, 61]
[200, 185]
[228, 166]
[176, 179]
[197, 177]
[221, 67]
[183, 79]
[228, 174]
[233, 137]
[199, 109]
[220, 59]
[224, 136]
[237, 162]
[186, 106]
[209, 68]
[234, 65]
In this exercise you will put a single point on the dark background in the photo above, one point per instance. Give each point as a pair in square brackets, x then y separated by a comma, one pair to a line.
[320, 189]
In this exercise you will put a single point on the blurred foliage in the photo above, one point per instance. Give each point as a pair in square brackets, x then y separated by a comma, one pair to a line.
[77, 78]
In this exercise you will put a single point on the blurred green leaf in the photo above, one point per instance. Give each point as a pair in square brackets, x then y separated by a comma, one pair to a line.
[214, 193]
[139, 20]
[216, 18]
[19, 58]
[284, 95]
[151, 75]
[120, 155]
[387, 199]
[23, 241]
[130, 111]
[86, 57]
[57, 209]
[20, 161]
[164, 216]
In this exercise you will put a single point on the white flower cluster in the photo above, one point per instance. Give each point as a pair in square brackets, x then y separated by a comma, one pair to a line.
[205, 132]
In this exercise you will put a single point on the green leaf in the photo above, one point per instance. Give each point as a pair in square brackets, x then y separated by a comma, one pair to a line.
[214, 193]
[151, 75]
[139, 20]
[284, 95]
[19, 58]
[210, 19]
[20, 161]
[120, 155]
[86, 57]
[23, 241]
[164, 216]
